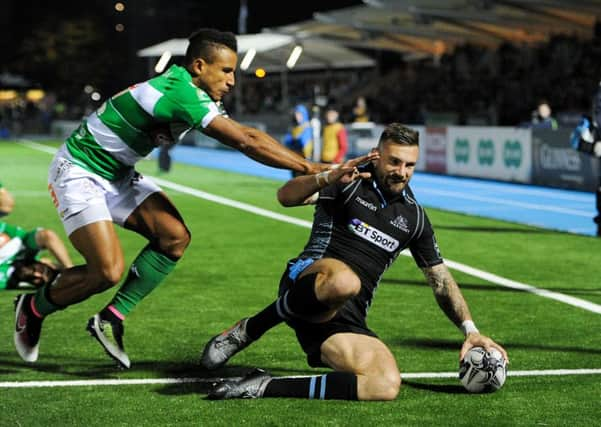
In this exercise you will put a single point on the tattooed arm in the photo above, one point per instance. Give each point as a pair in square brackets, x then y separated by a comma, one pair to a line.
[447, 294]
[451, 301]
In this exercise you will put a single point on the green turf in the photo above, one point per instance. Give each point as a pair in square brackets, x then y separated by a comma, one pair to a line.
[232, 269]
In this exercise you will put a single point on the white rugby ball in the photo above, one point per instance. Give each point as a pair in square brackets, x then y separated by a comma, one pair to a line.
[483, 371]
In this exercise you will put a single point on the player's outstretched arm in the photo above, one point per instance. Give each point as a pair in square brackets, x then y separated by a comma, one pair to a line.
[303, 189]
[259, 146]
[451, 301]
[47, 239]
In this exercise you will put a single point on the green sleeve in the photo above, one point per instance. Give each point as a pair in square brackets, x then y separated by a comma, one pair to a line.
[27, 237]
[184, 103]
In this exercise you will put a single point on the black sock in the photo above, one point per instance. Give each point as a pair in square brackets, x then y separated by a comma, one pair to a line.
[335, 385]
[107, 314]
[263, 321]
[300, 300]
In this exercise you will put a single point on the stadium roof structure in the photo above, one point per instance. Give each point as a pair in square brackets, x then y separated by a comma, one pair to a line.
[429, 28]
[273, 50]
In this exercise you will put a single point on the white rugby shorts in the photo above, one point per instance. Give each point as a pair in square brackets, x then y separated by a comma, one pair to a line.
[82, 197]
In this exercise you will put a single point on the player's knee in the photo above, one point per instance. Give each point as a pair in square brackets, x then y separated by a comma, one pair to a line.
[344, 284]
[105, 277]
[42, 235]
[176, 242]
[386, 386]
[392, 381]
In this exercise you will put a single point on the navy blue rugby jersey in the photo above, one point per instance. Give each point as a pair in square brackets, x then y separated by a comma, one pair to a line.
[358, 225]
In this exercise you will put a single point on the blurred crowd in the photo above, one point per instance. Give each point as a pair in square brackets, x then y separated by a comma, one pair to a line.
[485, 87]
[471, 86]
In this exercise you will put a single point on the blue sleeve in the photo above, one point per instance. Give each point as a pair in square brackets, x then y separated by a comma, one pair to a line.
[306, 136]
[287, 140]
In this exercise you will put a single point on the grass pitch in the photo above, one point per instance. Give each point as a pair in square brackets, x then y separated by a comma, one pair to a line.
[232, 269]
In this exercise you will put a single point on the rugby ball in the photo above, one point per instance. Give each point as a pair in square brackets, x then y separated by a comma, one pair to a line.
[482, 371]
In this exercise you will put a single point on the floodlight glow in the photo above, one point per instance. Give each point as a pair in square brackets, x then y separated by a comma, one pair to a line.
[163, 61]
[8, 95]
[248, 59]
[296, 53]
[35, 95]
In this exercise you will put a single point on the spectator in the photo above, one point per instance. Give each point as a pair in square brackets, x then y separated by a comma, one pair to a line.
[587, 139]
[541, 117]
[300, 137]
[360, 112]
[165, 145]
[334, 139]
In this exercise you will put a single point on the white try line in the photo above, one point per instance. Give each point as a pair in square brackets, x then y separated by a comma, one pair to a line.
[506, 187]
[192, 380]
[493, 278]
[513, 203]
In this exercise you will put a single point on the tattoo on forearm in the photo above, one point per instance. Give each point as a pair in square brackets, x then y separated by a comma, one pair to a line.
[447, 293]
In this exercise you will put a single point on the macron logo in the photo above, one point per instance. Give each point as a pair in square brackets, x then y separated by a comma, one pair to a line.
[365, 203]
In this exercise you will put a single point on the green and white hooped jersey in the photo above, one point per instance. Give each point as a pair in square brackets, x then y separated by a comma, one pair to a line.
[22, 245]
[114, 137]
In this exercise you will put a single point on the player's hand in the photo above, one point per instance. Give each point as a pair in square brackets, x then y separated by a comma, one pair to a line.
[479, 340]
[348, 171]
[318, 167]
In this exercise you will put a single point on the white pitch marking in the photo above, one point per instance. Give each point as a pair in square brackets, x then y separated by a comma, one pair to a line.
[192, 380]
[502, 281]
[38, 146]
[503, 187]
[496, 201]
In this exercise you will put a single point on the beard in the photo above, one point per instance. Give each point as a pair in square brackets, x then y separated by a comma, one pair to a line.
[393, 185]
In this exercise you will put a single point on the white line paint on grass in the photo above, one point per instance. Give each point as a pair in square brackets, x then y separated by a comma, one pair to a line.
[506, 187]
[37, 146]
[192, 380]
[493, 278]
[232, 203]
[513, 203]
[508, 283]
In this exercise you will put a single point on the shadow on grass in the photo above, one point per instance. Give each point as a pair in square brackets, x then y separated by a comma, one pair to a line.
[83, 368]
[217, 375]
[443, 344]
[462, 285]
[188, 376]
[493, 287]
[437, 388]
[495, 229]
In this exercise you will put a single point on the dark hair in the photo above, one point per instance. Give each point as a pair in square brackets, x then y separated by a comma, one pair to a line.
[203, 42]
[23, 272]
[399, 134]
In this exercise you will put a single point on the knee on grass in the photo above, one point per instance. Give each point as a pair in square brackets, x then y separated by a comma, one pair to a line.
[381, 386]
